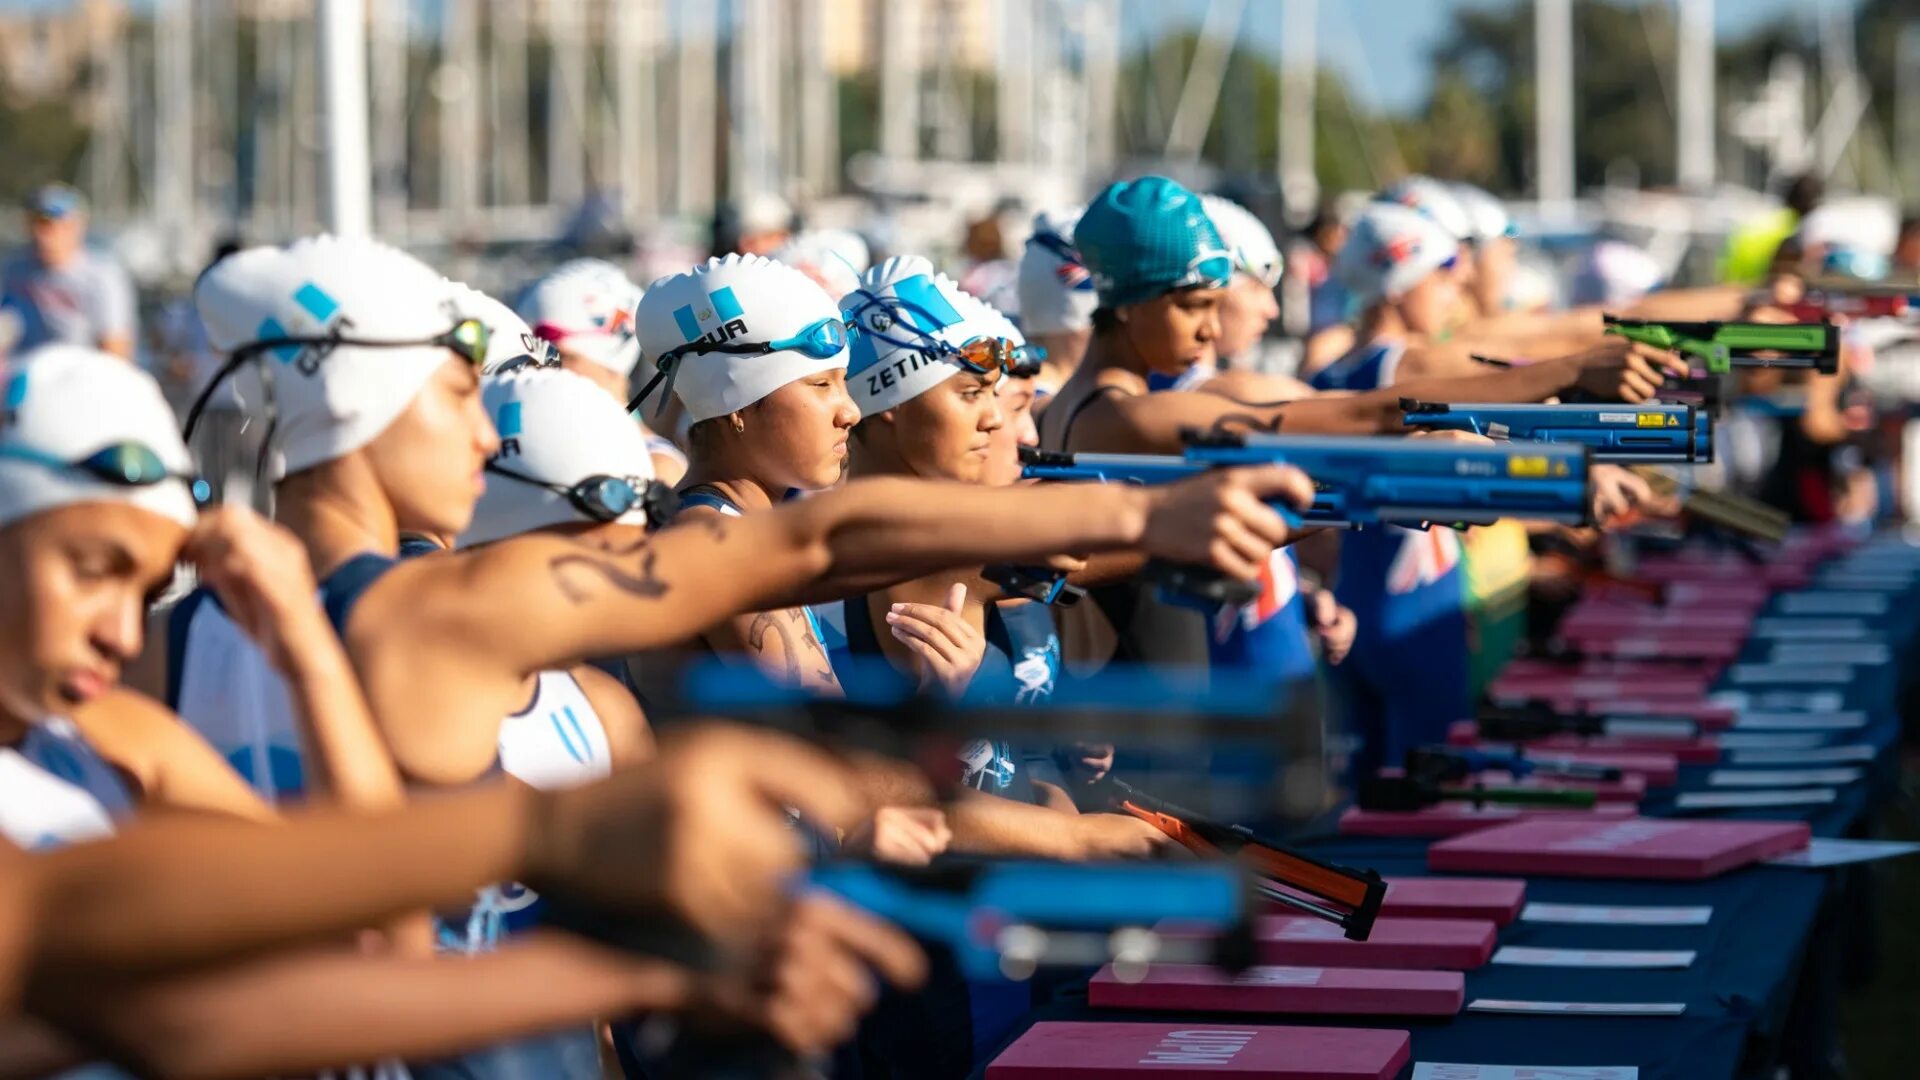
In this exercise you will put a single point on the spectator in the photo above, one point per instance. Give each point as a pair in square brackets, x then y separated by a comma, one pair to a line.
[60, 291]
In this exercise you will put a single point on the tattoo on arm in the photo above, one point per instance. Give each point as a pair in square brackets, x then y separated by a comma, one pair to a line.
[778, 623]
[567, 571]
[1245, 423]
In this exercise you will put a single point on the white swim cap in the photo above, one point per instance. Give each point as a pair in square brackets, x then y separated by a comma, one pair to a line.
[1055, 287]
[1434, 199]
[329, 400]
[586, 306]
[833, 257]
[737, 300]
[62, 404]
[556, 428]
[1615, 273]
[900, 315]
[1254, 251]
[511, 342]
[1486, 216]
[1389, 249]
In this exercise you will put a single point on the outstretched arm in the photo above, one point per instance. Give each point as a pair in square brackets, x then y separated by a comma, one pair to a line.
[220, 1023]
[1156, 423]
[540, 601]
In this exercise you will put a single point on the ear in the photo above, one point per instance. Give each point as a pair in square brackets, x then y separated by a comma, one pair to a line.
[887, 415]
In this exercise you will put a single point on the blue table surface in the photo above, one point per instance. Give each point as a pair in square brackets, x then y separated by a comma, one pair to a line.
[1740, 985]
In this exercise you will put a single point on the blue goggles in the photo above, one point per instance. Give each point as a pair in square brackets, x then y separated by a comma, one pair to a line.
[820, 340]
[604, 498]
[122, 464]
[982, 355]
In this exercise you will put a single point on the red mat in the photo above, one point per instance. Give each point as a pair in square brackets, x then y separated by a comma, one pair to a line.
[1634, 848]
[1410, 944]
[1453, 819]
[1057, 1050]
[1299, 990]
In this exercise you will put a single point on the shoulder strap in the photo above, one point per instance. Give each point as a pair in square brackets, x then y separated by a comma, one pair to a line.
[1073, 414]
[710, 497]
[344, 587]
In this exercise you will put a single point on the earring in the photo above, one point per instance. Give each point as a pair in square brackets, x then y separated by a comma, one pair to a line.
[738, 424]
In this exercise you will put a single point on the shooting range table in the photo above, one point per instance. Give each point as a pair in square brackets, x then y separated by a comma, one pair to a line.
[1769, 960]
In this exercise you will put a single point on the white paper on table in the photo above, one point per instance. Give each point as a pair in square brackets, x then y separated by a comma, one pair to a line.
[1525, 956]
[1833, 603]
[1727, 800]
[1650, 727]
[1817, 701]
[1863, 652]
[1598, 915]
[1433, 1070]
[1812, 755]
[1592, 1008]
[1768, 740]
[1770, 674]
[1847, 720]
[1781, 778]
[1822, 852]
[1813, 629]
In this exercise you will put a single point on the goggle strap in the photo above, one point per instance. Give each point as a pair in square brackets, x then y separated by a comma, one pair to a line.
[206, 394]
[640, 398]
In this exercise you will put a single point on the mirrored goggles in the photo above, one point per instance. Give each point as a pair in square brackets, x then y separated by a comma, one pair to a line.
[820, 340]
[606, 498]
[122, 464]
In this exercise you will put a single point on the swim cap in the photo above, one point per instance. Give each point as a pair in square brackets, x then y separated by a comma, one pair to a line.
[1389, 250]
[1434, 199]
[1147, 237]
[900, 314]
[586, 307]
[334, 399]
[1254, 252]
[557, 428]
[1486, 217]
[64, 403]
[1615, 274]
[510, 342]
[736, 300]
[833, 257]
[1054, 286]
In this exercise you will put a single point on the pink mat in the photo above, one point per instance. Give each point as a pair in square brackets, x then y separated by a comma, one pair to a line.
[1633, 848]
[1075, 1050]
[1497, 900]
[1415, 944]
[1455, 819]
[1299, 990]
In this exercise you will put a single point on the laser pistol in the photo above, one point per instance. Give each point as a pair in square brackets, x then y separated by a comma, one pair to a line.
[1621, 434]
[1723, 346]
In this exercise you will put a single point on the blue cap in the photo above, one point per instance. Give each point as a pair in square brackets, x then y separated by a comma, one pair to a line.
[56, 201]
[1147, 237]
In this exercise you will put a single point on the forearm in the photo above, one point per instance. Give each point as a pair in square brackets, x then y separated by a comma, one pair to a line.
[876, 532]
[355, 1008]
[989, 825]
[138, 904]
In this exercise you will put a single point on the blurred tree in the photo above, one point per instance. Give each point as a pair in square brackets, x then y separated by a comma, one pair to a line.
[39, 141]
[1621, 109]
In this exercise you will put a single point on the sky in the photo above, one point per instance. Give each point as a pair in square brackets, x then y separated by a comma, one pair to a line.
[1381, 46]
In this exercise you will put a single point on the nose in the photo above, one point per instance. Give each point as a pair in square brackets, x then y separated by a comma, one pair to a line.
[845, 412]
[485, 438]
[995, 417]
[120, 628]
[1209, 328]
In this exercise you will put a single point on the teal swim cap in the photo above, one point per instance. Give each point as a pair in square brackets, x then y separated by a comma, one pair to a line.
[1147, 237]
